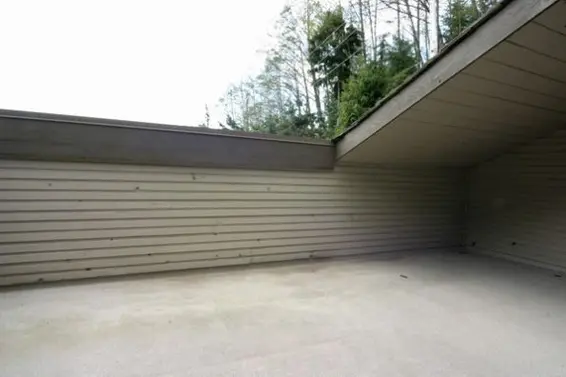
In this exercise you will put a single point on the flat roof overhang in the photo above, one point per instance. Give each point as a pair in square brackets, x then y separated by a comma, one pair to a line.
[500, 84]
[38, 136]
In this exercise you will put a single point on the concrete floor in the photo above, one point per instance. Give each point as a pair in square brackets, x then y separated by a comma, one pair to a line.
[453, 315]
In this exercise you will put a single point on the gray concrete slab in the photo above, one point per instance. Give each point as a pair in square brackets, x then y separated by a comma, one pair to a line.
[453, 315]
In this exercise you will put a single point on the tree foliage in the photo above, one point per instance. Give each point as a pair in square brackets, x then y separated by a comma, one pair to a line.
[460, 14]
[362, 91]
[332, 48]
[375, 79]
[329, 65]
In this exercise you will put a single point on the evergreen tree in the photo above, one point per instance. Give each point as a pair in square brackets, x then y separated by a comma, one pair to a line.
[459, 15]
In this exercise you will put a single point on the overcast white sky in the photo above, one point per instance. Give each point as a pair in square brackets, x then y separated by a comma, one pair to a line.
[155, 61]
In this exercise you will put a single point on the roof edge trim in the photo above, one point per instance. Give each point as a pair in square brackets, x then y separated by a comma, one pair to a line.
[32, 136]
[106, 122]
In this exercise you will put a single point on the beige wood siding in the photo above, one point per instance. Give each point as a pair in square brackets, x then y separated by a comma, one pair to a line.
[77, 220]
[517, 204]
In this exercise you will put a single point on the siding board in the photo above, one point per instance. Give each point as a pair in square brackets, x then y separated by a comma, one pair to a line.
[222, 249]
[77, 220]
[159, 223]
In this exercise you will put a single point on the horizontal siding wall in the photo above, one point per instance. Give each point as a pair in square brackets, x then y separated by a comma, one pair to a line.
[78, 220]
[517, 204]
